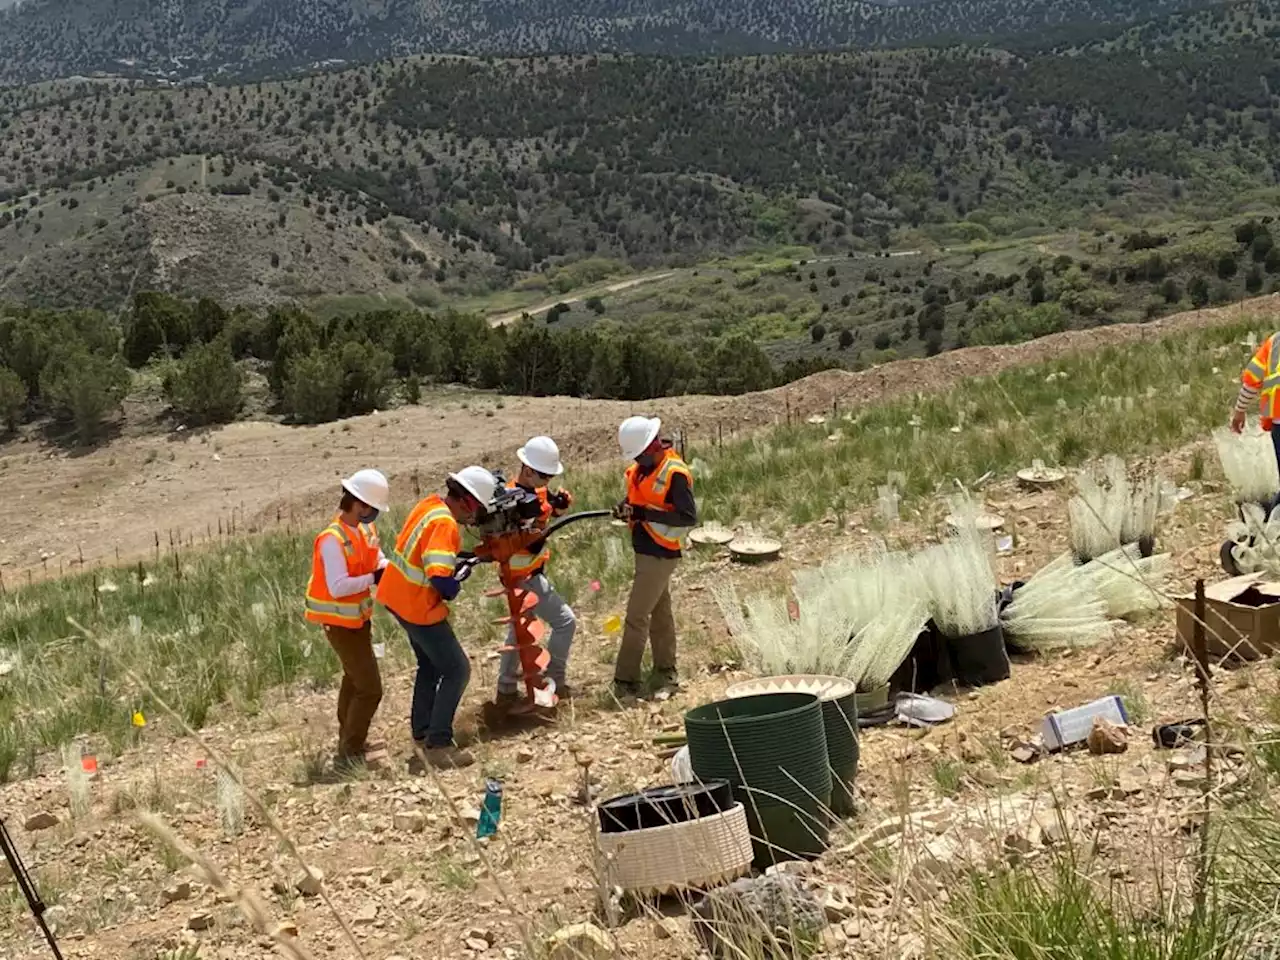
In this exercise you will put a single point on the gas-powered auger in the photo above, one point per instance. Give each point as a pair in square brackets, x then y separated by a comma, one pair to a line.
[507, 529]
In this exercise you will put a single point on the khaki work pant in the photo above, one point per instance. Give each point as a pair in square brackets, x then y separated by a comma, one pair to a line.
[649, 619]
[361, 689]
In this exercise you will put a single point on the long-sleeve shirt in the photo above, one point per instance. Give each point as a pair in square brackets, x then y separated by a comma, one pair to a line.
[1254, 375]
[682, 512]
[335, 570]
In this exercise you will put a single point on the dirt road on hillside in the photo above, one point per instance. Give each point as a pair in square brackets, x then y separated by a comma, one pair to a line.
[120, 497]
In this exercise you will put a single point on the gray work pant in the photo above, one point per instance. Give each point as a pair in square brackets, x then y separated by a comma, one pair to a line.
[559, 617]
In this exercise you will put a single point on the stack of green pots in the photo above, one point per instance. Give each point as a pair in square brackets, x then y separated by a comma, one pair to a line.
[772, 749]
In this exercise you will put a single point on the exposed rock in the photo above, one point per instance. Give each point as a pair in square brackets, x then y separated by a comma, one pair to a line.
[177, 892]
[476, 933]
[667, 929]
[409, 821]
[1106, 737]
[762, 917]
[41, 821]
[1023, 753]
[581, 941]
[365, 915]
[310, 882]
[286, 928]
[200, 920]
[836, 904]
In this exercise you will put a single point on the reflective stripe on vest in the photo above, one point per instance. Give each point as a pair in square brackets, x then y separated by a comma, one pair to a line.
[418, 576]
[354, 613]
[525, 563]
[665, 535]
[1270, 393]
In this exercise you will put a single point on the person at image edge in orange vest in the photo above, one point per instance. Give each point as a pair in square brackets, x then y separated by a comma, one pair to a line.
[1260, 384]
[426, 571]
[346, 562]
[660, 508]
[539, 465]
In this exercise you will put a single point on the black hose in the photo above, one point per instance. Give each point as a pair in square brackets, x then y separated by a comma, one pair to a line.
[574, 518]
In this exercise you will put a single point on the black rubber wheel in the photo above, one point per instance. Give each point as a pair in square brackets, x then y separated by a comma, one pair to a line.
[1227, 560]
[662, 806]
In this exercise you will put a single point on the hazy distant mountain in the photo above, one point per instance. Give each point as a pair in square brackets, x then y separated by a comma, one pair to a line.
[46, 38]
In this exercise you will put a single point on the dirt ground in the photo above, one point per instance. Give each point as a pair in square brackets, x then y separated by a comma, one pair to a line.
[115, 501]
[401, 868]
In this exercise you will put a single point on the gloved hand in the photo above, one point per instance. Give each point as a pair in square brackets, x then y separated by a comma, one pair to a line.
[560, 500]
[463, 569]
[623, 511]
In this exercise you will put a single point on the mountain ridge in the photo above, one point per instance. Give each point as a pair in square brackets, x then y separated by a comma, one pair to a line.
[46, 39]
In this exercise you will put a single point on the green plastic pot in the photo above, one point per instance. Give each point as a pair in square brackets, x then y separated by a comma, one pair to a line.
[772, 749]
[840, 726]
[872, 700]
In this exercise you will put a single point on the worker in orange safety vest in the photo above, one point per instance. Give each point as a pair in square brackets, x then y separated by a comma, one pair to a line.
[346, 562]
[426, 572]
[539, 465]
[1260, 385]
[659, 508]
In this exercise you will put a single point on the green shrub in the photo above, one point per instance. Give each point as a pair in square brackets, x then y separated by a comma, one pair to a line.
[206, 386]
[83, 388]
[313, 387]
[13, 398]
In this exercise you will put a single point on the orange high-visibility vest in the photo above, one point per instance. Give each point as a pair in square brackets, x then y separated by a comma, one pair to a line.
[1263, 374]
[360, 548]
[426, 547]
[650, 491]
[525, 564]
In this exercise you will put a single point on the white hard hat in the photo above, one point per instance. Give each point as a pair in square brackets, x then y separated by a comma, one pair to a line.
[635, 435]
[478, 482]
[541, 454]
[369, 486]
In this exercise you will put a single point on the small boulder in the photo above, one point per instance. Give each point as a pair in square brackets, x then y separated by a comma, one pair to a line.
[581, 941]
[1107, 738]
[200, 920]
[286, 928]
[310, 882]
[769, 918]
[409, 821]
[177, 892]
[41, 821]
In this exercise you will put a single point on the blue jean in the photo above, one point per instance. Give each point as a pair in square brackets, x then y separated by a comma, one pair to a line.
[559, 617]
[443, 674]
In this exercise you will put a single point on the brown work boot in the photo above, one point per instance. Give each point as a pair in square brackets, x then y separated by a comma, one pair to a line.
[448, 758]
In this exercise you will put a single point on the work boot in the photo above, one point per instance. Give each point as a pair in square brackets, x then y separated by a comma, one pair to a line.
[668, 679]
[627, 690]
[448, 758]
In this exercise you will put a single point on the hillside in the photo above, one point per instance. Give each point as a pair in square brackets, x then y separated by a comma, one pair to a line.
[57, 38]
[212, 639]
[259, 475]
[467, 175]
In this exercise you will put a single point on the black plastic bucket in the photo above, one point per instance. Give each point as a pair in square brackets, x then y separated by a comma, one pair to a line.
[662, 806]
[979, 659]
[928, 665]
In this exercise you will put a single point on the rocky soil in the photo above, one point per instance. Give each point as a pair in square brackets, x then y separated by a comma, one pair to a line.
[402, 872]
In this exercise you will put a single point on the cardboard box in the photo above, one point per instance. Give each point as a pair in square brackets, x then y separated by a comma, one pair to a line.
[1242, 618]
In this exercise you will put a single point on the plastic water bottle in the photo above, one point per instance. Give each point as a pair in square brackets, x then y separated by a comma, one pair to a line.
[490, 810]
